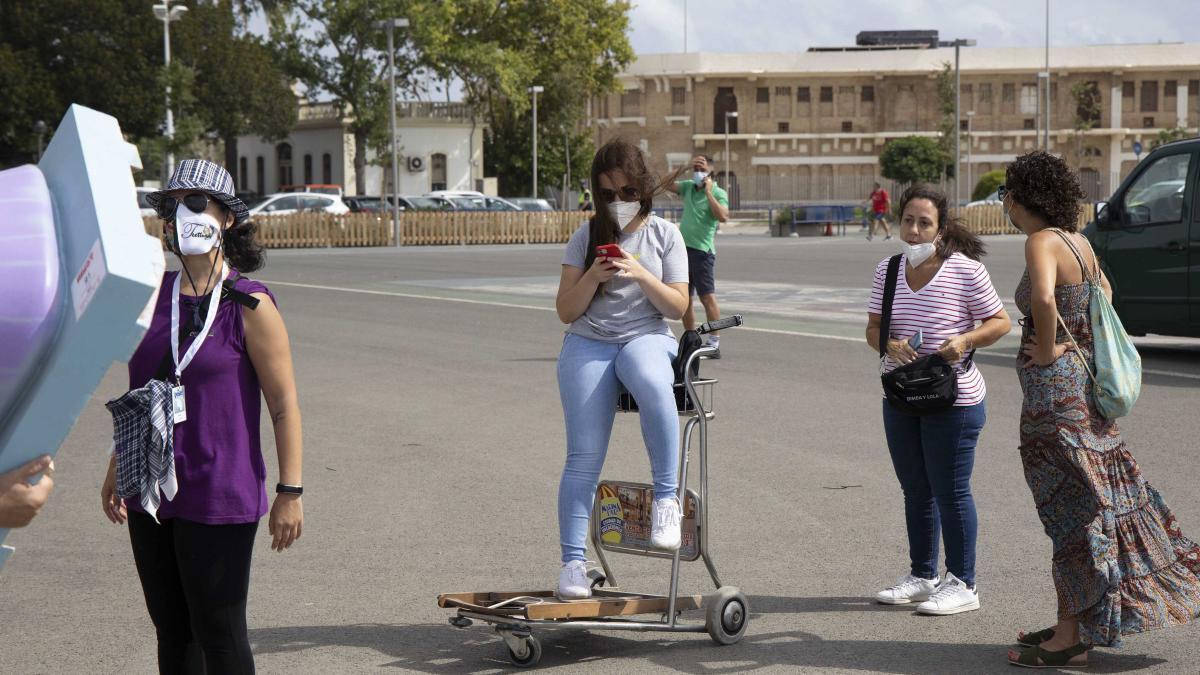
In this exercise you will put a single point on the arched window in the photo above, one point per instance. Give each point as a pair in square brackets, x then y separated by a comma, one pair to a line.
[308, 169]
[283, 164]
[260, 178]
[724, 102]
[327, 169]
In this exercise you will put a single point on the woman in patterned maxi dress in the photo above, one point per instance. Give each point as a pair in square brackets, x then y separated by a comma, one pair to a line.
[1120, 563]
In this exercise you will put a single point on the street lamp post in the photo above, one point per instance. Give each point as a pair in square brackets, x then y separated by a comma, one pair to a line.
[535, 89]
[1047, 75]
[567, 150]
[39, 128]
[970, 143]
[391, 25]
[957, 130]
[728, 114]
[166, 13]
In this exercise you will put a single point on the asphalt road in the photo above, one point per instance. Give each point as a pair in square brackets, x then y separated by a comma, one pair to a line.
[434, 442]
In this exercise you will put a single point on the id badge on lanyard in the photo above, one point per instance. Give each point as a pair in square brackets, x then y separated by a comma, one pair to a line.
[178, 397]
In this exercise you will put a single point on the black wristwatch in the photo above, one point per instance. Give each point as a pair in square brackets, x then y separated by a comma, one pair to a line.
[282, 489]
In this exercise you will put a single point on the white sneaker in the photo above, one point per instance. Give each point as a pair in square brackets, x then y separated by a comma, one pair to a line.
[952, 596]
[665, 519]
[573, 582]
[909, 589]
[714, 341]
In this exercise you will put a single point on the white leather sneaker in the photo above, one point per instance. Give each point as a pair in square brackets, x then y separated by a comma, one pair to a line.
[573, 582]
[952, 597]
[665, 519]
[909, 589]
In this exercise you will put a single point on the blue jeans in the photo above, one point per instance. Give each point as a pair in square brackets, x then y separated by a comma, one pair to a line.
[590, 373]
[933, 456]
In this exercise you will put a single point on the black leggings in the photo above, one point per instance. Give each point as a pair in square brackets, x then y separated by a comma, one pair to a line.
[195, 578]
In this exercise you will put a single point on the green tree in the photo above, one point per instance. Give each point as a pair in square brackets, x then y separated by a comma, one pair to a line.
[987, 184]
[1170, 135]
[913, 159]
[497, 51]
[948, 126]
[1086, 96]
[334, 47]
[104, 55]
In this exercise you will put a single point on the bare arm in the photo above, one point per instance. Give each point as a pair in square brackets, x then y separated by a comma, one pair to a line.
[719, 210]
[1042, 265]
[577, 287]
[270, 352]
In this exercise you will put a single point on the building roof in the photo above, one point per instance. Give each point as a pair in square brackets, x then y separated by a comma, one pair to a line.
[977, 60]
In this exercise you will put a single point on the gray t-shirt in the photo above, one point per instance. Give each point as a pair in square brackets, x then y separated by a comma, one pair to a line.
[621, 311]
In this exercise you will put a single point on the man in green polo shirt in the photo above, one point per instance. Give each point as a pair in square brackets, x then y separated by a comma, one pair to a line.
[705, 206]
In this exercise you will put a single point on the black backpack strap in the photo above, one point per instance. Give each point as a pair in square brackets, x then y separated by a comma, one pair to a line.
[889, 294]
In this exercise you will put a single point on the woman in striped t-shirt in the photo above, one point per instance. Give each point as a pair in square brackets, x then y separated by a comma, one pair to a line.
[941, 293]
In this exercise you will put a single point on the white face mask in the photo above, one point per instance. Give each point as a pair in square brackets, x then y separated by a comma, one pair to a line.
[1008, 218]
[197, 232]
[624, 212]
[919, 253]
[698, 177]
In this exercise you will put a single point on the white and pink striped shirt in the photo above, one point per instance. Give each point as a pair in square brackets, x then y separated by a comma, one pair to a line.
[960, 294]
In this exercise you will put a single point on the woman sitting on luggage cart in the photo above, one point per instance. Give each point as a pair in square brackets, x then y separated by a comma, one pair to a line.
[623, 274]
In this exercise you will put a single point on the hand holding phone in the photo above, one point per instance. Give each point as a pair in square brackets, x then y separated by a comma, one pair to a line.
[916, 340]
[609, 251]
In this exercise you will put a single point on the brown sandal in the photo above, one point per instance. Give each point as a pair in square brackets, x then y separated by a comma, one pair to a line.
[1036, 657]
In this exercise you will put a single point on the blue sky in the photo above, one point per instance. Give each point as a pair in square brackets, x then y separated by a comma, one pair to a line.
[795, 25]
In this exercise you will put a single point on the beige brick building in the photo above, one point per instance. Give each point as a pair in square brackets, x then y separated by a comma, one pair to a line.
[811, 125]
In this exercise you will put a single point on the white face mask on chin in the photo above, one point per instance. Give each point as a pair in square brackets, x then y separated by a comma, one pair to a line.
[197, 233]
[919, 253]
[624, 212]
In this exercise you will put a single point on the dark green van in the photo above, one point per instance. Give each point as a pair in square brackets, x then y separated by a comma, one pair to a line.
[1148, 239]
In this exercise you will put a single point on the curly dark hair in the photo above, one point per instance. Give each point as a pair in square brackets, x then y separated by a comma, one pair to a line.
[1046, 186]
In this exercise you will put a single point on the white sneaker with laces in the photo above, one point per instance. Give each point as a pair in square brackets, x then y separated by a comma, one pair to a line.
[909, 589]
[714, 341]
[573, 582]
[952, 597]
[665, 519]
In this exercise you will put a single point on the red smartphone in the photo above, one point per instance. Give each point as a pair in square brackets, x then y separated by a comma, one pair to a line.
[609, 251]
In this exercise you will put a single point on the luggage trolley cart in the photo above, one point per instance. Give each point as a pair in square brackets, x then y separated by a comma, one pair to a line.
[620, 523]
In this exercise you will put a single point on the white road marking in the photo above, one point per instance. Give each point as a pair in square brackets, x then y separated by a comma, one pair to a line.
[753, 329]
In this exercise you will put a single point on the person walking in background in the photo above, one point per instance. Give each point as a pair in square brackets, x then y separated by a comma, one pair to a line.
[1121, 564]
[881, 203]
[705, 207]
[585, 197]
[942, 291]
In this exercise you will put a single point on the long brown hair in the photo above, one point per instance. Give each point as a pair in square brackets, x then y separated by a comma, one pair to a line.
[956, 238]
[620, 154]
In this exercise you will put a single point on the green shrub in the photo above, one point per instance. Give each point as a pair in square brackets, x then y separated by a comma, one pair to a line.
[987, 184]
[784, 216]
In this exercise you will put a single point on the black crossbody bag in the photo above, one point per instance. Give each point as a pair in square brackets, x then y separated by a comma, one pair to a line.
[928, 384]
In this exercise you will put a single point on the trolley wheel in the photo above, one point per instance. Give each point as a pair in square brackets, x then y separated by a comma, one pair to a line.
[531, 653]
[596, 577]
[726, 614]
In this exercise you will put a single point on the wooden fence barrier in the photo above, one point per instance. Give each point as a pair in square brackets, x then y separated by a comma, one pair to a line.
[989, 219]
[420, 228]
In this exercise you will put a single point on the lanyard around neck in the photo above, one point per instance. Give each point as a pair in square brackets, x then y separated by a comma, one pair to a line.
[208, 322]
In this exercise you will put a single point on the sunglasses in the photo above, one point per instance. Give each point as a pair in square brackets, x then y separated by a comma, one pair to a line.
[1001, 192]
[196, 202]
[629, 193]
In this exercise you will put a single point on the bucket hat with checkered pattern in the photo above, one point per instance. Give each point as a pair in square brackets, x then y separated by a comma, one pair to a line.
[204, 176]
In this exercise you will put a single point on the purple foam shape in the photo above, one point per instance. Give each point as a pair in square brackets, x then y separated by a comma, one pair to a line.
[30, 289]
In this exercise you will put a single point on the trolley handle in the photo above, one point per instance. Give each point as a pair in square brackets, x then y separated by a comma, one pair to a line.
[720, 324]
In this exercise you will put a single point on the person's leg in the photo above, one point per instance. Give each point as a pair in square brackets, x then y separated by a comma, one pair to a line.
[948, 440]
[920, 511]
[712, 311]
[214, 567]
[154, 556]
[588, 388]
[887, 228]
[689, 314]
[644, 367]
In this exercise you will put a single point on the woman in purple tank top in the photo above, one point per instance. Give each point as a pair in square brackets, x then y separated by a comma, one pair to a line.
[218, 340]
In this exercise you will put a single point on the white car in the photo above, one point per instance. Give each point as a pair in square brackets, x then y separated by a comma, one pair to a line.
[143, 205]
[455, 193]
[285, 203]
[993, 198]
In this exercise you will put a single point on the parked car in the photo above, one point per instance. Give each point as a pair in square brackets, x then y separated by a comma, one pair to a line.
[483, 204]
[143, 205]
[531, 204]
[993, 198]
[1146, 235]
[454, 193]
[322, 188]
[426, 203]
[297, 202]
[367, 204]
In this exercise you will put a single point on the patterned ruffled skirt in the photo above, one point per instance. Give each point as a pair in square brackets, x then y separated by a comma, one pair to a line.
[1121, 564]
